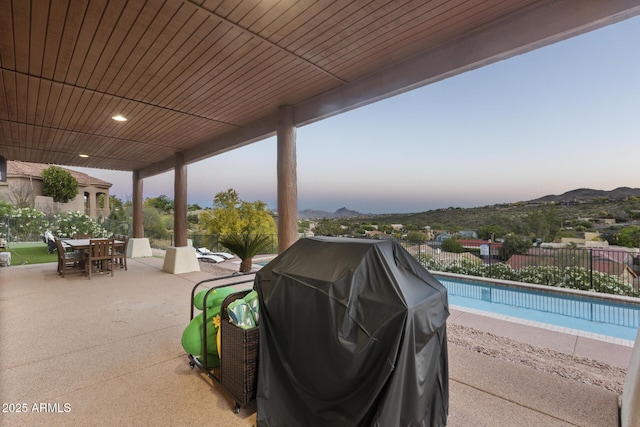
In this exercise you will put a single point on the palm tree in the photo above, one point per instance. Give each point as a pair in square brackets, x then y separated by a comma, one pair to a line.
[246, 246]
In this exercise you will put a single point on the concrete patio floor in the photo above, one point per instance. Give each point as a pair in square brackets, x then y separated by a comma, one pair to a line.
[107, 351]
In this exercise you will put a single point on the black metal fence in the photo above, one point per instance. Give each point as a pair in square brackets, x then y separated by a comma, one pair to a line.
[601, 312]
[596, 269]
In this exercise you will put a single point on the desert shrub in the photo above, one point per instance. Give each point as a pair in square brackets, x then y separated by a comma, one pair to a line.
[68, 224]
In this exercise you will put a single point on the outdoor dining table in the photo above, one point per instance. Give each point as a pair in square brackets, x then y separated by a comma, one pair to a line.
[83, 244]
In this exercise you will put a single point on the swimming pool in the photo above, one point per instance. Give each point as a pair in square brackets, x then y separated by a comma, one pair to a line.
[595, 315]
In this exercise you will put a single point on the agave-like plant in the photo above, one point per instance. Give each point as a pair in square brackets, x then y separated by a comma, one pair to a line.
[246, 246]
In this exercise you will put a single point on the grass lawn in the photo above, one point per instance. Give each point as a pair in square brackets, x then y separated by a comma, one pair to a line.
[30, 253]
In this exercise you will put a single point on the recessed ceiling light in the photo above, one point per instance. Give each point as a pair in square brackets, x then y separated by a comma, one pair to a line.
[83, 155]
[119, 118]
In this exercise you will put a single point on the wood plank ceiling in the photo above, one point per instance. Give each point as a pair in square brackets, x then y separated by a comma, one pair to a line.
[205, 76]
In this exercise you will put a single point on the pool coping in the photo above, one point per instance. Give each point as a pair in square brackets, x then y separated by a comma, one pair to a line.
[547, 326]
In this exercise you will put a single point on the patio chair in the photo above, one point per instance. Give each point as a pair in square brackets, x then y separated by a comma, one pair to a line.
[68, 260]
[120, 253]
[101, 256]
[82, 236]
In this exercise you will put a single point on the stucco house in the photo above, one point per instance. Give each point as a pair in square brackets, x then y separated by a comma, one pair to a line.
[24, 181]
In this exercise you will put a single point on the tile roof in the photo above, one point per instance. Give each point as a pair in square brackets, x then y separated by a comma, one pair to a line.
[25, 169]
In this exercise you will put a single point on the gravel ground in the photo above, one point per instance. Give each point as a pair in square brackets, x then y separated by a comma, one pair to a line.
[543, 359]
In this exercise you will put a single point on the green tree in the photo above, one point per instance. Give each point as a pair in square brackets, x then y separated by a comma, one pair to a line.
[543, 225]
[153, 223]
[246, 246]
[567, 233]
[247, 228]
[116, 209]
[416, 237]
[59, 184]
[303, 225]
[452, 245]
[118, 221]
[411, 227]
[231, 215]
[487, 232]
[629, 237]
[162, 203]
[193, 218]
[587, 225]
[327, 227]
[514, 245]
[609, 234]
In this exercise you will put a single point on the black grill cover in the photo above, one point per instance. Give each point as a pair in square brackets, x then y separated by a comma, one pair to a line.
[352, 333]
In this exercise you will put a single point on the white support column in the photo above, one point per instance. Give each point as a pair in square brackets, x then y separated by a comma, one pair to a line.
[630, 404]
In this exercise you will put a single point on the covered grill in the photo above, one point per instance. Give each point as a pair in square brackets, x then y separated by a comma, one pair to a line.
[353, 333]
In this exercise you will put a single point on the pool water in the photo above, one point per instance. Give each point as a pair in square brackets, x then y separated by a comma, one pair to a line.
[263, 262]
[597, 316]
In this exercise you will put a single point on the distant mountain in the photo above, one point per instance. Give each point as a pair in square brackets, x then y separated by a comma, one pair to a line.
[570, 197]
[318, 214]
[586, 194]
[314, 214]
[346, 213]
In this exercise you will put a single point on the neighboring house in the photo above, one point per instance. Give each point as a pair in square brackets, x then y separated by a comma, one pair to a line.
[476, 243]
[429, 232]
[464, 234]
[373, 233]
[622, 271]
[607, 221]
[621, 256]
[554, 245]
[24, 181]
[590, 240]
[443, 236]
[467, 234]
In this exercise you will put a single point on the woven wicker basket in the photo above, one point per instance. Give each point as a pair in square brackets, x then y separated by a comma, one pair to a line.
[238, 356]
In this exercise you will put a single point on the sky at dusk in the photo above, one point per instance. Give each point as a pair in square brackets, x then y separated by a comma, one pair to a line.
[562, 117]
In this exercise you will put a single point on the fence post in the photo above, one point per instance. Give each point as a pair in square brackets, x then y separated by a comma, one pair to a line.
[591, 268]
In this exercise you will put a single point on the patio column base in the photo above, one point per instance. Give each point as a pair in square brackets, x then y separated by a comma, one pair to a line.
[181, 259]
[629, 414]
[138, 247]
